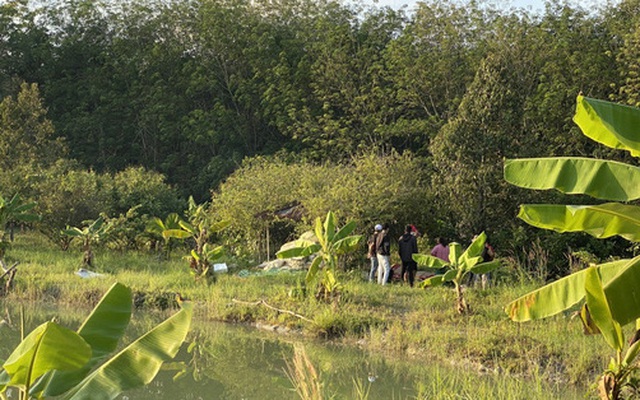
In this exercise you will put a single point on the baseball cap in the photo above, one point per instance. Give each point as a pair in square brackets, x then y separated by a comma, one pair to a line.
[378, 227]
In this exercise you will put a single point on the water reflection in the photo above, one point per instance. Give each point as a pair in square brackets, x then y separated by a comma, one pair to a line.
[233, 362]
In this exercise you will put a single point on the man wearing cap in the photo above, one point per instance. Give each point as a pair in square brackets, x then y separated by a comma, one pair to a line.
[372, 254]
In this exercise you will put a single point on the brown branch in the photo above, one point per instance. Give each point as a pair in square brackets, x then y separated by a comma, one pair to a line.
[264, 303]
[6, 271]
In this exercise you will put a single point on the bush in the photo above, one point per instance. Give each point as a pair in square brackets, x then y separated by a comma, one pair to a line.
[369, 189]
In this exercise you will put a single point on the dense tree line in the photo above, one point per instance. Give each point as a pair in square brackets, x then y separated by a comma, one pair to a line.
[192, 88]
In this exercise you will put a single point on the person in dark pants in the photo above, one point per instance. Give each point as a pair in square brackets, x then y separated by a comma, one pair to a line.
[407, 247]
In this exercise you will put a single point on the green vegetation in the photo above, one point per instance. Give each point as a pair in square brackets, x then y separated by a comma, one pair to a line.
[400, 321]
[607, 288]
[458, 268]
[55, 361]
[326, 242]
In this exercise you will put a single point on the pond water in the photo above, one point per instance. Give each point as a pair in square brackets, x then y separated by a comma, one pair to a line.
[238, 362]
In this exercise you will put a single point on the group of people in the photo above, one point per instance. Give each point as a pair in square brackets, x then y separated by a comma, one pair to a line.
[379, 245]
[379, 252]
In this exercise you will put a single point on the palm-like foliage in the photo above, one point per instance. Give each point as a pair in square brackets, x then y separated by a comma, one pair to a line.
[53, 361]
[91, 233]
[459, 266]
[199, 228]
[327, 242]
[610, 289]
[11, 211]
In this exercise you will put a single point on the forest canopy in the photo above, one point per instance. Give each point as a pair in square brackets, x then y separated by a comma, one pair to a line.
[195, 90]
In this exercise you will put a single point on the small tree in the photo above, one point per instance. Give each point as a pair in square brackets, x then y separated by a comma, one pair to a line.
[198, 228]
[459, 266]
[327, 243]
[92, 233]
[11, 211]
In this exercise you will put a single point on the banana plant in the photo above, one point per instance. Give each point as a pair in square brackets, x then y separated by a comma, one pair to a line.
[615, 305]
[53, 361]
[199, 228]
[326, 242]
[90, 234]
[459, 266]
[161, 229]
[11, 211]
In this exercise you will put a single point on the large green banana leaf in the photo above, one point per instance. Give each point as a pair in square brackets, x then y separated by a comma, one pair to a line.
[602, 179]
[600, 311]
[601, 221]
[483, 268]
[611, 124]
[138, 363]
[564, 293]
[49, 346]
[347, 244]
[623, 294]
[102, 330]
[429, 261]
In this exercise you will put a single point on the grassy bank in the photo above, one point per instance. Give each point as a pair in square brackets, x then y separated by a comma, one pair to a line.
[411, 322]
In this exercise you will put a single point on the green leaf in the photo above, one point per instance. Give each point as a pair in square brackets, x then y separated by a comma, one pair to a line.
[602, 179]
[102, 330]
[313, 270]
[319, 233]
[218, 226]
[450, 275]
[561, 294]
[73, 232]
[433, 281]
[454, 252]
[622, 293]
[48, 347]
[298, 251]
[138, 363]
[484, 268]
[474, 249]
[601, 221]
[600, 312]
[429, 261]
[347, 244]
[611, 124]
[188, 227]
[632, 353]
[330, 226]
[345, 231]
[176, 233]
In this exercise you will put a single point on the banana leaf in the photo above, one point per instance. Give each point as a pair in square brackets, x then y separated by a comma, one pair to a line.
[347, 244]
[474, 249]
[433, 281]
[313, 270]
[302, 251]
[102, 330]
[138, 363]
[345, 231]
[49, 346]
[622, 294]
[455, 251]
[601, 221]
[330, 226]
[602, 179]
[428, 261]
[600, 311]
[611, 124]
[562, 294]
[483, 268]
[175, 233]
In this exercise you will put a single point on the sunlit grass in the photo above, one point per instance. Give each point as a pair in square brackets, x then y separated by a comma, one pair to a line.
[411, 322]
